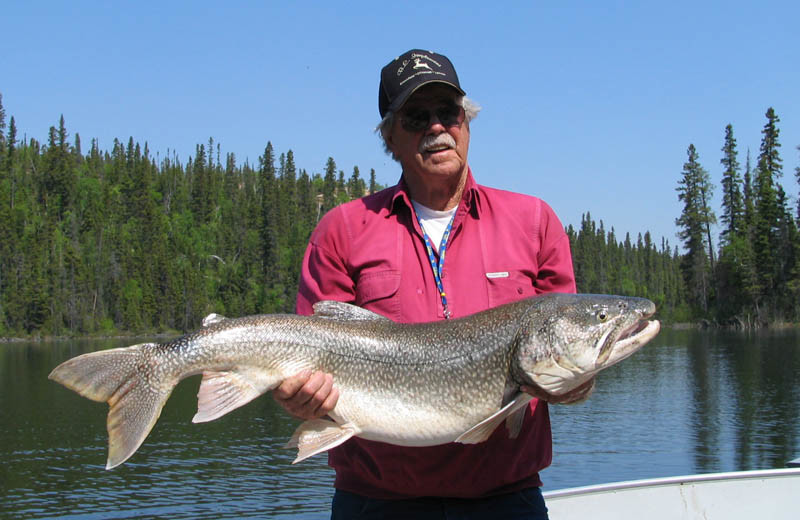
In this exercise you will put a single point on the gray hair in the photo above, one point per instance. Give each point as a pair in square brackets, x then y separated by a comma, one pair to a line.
[384, 128]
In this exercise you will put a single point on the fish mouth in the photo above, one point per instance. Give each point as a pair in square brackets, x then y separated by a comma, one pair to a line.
[633, 330]
[628, 342]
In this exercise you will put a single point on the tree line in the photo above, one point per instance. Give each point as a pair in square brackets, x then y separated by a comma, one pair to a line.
[604, 264]
[753, 277]
[110, 241]
[117, 241]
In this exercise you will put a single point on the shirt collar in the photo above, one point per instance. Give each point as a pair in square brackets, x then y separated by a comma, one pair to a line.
[470, 199]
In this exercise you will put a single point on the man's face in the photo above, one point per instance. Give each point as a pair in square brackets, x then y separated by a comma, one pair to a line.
[430, 137]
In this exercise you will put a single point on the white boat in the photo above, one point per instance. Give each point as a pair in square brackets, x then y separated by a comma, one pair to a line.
[769, 494]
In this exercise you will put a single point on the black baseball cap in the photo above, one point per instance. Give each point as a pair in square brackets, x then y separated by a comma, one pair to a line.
[408, 72]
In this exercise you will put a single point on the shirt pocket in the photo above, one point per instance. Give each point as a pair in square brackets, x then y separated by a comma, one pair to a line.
[378, 292]
[509, 286]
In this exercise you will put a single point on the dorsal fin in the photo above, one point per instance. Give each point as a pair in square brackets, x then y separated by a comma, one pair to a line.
[344, 312]
[213, 318]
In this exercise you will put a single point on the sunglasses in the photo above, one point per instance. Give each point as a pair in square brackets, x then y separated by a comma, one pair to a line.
[418, 119]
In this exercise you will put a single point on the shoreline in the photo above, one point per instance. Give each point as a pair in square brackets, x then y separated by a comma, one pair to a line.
[783, 325]
[40, 339]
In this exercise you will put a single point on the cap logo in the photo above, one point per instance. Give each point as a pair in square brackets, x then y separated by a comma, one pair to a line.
[419, 66]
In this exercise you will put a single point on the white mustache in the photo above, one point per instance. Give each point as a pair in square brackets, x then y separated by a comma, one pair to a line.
[431, 142]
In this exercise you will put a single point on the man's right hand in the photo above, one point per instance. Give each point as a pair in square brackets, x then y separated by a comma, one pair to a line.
[307, 395]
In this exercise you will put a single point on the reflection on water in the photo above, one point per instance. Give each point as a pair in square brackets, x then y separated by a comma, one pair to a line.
[53, 444]
[693, 401]
[690, 402]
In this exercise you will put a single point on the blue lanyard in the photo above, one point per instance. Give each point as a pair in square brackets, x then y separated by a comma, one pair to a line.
[438, 266]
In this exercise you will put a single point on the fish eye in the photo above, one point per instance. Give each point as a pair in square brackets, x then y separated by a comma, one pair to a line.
[602, 315]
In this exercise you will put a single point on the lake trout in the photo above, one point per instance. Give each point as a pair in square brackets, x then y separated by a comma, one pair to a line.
[407, 384]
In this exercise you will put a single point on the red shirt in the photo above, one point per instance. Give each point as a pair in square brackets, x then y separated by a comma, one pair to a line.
[503, 247]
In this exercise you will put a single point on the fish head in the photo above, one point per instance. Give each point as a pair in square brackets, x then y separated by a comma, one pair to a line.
[566, 339]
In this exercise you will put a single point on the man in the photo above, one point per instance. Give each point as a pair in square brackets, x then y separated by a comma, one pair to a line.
[435, 246]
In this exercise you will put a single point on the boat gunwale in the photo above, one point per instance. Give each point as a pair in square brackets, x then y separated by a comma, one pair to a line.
[671, 481]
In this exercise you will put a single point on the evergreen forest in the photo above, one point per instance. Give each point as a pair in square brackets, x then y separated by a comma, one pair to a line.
[102, 242]
[752, 278]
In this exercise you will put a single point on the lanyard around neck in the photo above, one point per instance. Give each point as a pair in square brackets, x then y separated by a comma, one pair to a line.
[438, 266]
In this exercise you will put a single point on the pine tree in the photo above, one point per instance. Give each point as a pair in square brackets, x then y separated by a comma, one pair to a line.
[269, 229]
[5, 203]
[58, 180]
[796, 173]
[787, 255]
[767, 211]
[355, 185]
[288, 196]
[341, 189]
[694, 191]
[732, 202]
[373, 183]
[329, 186]
[735, 273]
[3, 145]
[11, 142]
[583, 254]
[748, 197]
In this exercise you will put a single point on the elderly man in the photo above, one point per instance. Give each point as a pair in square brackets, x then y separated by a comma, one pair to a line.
[435, 246]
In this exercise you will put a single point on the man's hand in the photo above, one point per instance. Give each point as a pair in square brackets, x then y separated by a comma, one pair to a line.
[576, 395]
[307, 395]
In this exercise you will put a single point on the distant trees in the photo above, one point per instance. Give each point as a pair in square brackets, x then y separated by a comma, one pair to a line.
[119, 240]
[102, 241]
[757, 279]
[604, 264]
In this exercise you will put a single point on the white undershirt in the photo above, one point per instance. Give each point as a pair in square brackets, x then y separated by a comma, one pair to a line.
[434, 222]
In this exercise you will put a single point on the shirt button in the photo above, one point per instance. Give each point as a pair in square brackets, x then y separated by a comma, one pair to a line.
[519, 290]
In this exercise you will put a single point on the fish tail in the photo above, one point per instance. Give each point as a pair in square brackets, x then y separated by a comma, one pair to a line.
[124, 378]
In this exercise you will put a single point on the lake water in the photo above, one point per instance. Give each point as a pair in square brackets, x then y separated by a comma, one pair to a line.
[690, 402]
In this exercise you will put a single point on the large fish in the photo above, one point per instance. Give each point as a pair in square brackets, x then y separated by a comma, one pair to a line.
[406, 384]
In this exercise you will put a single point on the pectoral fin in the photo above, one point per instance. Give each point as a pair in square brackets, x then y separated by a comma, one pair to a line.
[222, 392]
[513, 411]
[514, 422]
[318, 435]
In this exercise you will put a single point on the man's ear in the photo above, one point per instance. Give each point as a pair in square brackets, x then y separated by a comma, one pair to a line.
[388, 138]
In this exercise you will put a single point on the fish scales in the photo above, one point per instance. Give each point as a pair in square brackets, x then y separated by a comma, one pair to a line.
[407, 384]
[440, 369]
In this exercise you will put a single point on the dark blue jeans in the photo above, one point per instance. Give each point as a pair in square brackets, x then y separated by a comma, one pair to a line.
[527, 504]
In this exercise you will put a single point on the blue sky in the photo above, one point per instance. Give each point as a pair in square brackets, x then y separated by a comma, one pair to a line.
[589, 105]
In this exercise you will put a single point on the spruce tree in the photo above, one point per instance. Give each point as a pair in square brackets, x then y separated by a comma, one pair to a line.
[341, 189]
[11, 142]
[355, 185]
[732, 202]
[270, 230]
[3, 145]
[796, 173]
[767, 211]
[693, 190]
[329, 186]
